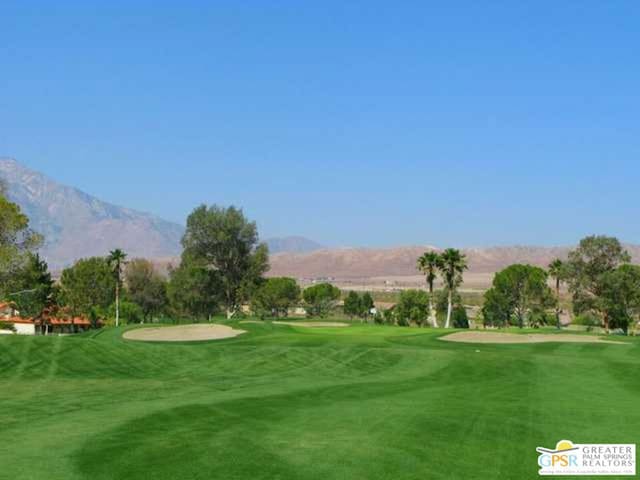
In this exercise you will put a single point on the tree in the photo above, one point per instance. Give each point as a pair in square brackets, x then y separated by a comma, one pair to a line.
[366, 305]
[222, 239]
[587, 266]
[194, 291]
[17, 241]
[459, 316]
[452, 266]
[31, 287]
[116, 260]
[130, 312]
[496, 309]
[621, 296]
[146, 287]
[557, 271]
[429, 264]
[320, 299]
[519, 294]
[441, 305]
[352, 306]
[275, 296]
[87, 285]
[412, 306]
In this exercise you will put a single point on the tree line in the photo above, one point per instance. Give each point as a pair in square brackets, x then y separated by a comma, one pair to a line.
[432, 308]
[223, 267]
[603, 288]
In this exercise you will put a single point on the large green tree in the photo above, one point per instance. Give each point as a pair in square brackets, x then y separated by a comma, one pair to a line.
[88, 285]
[586, 269]
[17, 241]
[496, 308]
[194, 291]
[429, 264]
[320, 299]
[117, 260]
[275, 296]
[146, 287]
[32, 287]
[222, 239]
[412, 307]
[366, 305]
[621, 296]
[452, 266]
[352, 305]
[519, 295]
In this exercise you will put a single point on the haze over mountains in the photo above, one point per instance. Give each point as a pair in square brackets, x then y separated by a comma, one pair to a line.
[77, 225]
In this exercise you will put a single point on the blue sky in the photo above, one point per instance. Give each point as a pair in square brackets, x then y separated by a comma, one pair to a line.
[353, 123]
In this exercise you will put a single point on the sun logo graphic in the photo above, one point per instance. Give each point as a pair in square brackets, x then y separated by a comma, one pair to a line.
[569, 458]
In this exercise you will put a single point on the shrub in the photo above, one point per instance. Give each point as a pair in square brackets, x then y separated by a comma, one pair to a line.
[320, 299]
[7, 326]
[275, 296]
[130, 313]
[389, 316]
[413, 306]
[459, 317]
[588, 320]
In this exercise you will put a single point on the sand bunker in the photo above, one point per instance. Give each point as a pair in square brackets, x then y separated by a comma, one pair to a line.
[497, 337]
[183, 333]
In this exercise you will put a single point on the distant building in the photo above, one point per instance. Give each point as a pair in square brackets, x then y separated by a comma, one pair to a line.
[45, 324]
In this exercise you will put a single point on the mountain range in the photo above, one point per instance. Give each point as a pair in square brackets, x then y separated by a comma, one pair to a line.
[76, 224]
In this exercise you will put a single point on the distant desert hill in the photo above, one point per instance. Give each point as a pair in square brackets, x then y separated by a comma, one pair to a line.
[77, 225]
[353, 263]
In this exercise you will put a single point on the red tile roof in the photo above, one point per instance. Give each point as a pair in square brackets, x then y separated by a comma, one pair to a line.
[52, 321]
[69, 321]
[17, 320]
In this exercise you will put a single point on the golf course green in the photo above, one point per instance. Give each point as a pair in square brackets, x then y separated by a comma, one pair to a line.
[287, 402]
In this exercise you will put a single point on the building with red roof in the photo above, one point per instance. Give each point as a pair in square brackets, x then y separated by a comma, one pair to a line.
[51, 321]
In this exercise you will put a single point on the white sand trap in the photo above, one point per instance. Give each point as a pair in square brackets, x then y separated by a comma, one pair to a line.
[183, 333]
[313, 324]
[497, 337]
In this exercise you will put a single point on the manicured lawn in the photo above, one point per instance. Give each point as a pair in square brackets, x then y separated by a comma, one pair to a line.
[363, 402]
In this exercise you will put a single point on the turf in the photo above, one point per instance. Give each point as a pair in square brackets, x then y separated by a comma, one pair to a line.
[281, 402]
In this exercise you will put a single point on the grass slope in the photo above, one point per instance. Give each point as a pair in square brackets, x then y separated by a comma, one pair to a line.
[286, 402]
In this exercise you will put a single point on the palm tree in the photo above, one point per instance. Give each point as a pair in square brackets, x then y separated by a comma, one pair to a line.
[429, 263]
[452, 264]
[117, 260]
[557, 270]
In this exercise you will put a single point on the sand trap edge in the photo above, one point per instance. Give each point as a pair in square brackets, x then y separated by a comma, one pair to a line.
[182, 333]
[516, 338]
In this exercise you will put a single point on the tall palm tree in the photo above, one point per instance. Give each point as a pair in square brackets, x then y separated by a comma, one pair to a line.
[452, 265]
[429, 263]
[117, 260]
[557, 269]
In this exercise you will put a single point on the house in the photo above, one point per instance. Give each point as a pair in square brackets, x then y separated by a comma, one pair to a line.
[21, 326]
[45, 324]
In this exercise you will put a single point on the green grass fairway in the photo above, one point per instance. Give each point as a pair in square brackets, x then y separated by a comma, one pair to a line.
[282, 402]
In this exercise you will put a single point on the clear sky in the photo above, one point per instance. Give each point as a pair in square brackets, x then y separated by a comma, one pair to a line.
[353, 123]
